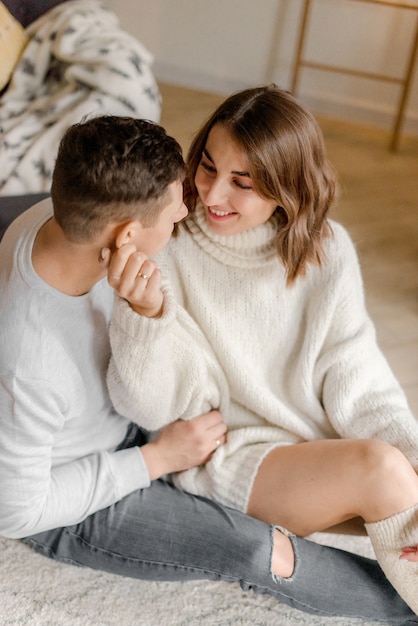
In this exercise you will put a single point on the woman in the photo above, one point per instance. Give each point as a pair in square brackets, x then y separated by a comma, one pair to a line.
[267, 323]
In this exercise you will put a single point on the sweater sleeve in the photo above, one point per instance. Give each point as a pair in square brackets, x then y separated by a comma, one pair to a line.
[360, 393]
[161, 369]
[35, 494]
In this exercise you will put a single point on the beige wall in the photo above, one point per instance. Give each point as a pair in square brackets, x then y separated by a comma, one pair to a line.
[225, 45]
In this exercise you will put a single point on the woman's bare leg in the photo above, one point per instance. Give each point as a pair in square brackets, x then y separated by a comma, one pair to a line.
[311, 486]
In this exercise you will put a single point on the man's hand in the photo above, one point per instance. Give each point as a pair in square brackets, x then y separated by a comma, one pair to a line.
[184, 444]
[136, 279]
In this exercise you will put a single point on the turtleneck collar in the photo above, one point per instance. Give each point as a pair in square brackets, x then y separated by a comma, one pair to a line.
[248, 249]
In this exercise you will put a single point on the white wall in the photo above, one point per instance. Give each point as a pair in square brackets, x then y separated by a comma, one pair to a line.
[225, 45]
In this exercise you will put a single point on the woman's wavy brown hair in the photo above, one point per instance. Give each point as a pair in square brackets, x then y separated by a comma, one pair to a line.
[287, 161]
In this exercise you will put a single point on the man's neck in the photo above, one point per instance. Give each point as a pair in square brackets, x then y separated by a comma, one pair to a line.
[70, 268]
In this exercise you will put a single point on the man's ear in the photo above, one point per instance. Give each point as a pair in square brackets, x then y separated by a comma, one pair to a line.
[128, 232]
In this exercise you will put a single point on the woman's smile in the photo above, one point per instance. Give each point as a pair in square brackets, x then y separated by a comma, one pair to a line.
[218, 215]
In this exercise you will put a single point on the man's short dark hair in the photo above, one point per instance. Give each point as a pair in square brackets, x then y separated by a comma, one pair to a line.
[112, 168]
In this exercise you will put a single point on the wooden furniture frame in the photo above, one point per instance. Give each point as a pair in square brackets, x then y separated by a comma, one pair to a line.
[404, 81]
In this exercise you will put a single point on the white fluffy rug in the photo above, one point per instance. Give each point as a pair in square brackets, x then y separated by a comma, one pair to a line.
[35, 591]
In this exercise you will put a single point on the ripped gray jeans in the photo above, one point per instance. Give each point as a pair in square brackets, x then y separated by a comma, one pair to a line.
[162, 533]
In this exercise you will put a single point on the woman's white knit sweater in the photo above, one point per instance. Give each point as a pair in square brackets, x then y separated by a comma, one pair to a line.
[283, 364]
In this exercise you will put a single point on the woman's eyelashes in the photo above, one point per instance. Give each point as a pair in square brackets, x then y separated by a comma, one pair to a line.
[208, 167]
[241, 185]
[211, 169]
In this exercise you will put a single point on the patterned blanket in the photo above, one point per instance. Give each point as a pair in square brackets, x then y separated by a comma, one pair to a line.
[78, 62]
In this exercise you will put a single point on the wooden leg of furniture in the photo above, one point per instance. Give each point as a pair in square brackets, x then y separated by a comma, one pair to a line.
[394, 142]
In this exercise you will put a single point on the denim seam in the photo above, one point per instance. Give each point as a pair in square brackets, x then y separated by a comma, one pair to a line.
[51, 553]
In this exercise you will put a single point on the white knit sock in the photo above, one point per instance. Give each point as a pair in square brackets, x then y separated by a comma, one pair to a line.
[388, 537]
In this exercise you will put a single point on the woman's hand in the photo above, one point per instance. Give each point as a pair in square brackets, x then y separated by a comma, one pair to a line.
[409, 553]
[136, 279]
[184, 444]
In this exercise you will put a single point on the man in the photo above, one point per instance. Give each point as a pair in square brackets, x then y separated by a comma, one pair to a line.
[78, 482]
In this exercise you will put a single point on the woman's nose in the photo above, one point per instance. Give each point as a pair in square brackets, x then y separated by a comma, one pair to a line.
[215, 192]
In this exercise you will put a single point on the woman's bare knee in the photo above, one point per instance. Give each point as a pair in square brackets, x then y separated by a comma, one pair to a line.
[387, 482]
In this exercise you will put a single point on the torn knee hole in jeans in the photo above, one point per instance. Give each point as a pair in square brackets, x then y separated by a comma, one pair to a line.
[283, 558]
